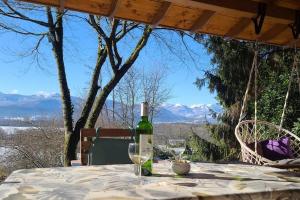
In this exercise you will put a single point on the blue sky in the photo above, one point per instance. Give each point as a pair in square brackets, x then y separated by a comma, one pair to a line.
[22, 75]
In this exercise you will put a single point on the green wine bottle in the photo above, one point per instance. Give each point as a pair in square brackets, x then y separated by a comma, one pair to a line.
[144, 136]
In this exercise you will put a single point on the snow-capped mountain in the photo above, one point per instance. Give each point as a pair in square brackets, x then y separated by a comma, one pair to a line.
[14, 106]
[192, 114]
[42, 105]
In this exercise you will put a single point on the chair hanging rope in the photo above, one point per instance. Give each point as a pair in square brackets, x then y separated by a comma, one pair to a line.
[298, 77]
[248, 85]
[294, 67]
[255, 101]
[254, 69]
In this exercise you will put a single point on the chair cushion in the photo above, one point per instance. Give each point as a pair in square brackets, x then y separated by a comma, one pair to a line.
[273, 149]
[277, 149]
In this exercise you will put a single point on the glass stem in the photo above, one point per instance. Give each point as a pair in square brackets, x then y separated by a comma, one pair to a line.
[140, 171]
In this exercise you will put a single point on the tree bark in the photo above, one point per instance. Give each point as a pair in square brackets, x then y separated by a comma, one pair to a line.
[100, 100]
[56, 35]
[94, 88]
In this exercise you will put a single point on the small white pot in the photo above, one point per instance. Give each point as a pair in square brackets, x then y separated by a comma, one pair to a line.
[181, 168]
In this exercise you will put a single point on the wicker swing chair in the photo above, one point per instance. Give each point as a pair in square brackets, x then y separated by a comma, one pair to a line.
[254, 131]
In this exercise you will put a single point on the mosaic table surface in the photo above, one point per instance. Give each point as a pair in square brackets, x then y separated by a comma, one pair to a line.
[205, 181]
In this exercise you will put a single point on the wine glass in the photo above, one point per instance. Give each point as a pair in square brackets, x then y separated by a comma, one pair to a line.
[139, 155]
[177, 147]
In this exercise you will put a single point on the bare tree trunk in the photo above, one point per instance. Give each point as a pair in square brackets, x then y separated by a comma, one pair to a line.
[117, 77]
[100, 100]
[56, 35]
[93, 91]
[113, 106]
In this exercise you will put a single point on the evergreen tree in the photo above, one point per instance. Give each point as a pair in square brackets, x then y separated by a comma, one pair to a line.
[232, 60]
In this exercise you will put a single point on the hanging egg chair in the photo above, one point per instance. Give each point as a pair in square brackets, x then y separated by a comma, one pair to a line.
[264, 143]
[245, 134]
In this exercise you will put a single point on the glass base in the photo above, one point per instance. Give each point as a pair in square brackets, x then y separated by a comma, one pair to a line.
[136, 169]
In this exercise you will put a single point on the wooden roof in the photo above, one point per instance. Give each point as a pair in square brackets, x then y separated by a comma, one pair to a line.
[229, 18]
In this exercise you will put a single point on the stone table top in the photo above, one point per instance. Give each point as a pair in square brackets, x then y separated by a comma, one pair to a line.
[205, 181]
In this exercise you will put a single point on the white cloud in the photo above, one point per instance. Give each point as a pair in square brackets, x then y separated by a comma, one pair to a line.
[197, 105]
[45, 94]
[178, 105]
[14, 91]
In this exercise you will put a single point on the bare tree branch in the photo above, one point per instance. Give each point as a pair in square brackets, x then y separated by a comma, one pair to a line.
[115, 24]
[94, 88]
[117, 77]
[126, 29]
[37, 46]
[98, 28]
[20, 30]
[17, 15]
[140, 45]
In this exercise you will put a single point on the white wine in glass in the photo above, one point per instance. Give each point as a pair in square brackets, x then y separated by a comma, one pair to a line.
[139, 155]
[177, 147]
[139, 160]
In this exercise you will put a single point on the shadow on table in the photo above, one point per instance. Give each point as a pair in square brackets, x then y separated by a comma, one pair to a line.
[279, 194]
[289, 176]
[219, 175]
[205, 176]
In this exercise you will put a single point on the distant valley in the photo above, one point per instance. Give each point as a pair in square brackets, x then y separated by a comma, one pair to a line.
[37, 107]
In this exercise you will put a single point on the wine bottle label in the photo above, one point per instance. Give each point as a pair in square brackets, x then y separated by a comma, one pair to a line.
[146, 145]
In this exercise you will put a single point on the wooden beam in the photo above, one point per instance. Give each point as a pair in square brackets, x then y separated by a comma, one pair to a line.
[292, 43]
[229, 10]
[87, 132]
[232, 8]
[202, 20]
[115, 132]
[291, 4]
[275, 30]
[113, 8]
[61, 5]
[158, 17]
[87, 6]
[245, 8]
[237, 28]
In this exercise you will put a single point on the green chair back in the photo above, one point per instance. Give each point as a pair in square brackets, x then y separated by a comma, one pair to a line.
[107, 151]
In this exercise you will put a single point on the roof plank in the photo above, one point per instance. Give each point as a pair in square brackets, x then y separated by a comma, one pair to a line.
[202, 20]
[217, 17]
[245, 8]
[113, 8]
[274, 31]
[160, 14]
[291, 4]
[237, 28]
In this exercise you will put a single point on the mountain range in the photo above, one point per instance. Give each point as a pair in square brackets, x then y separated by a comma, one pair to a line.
[17, 106]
